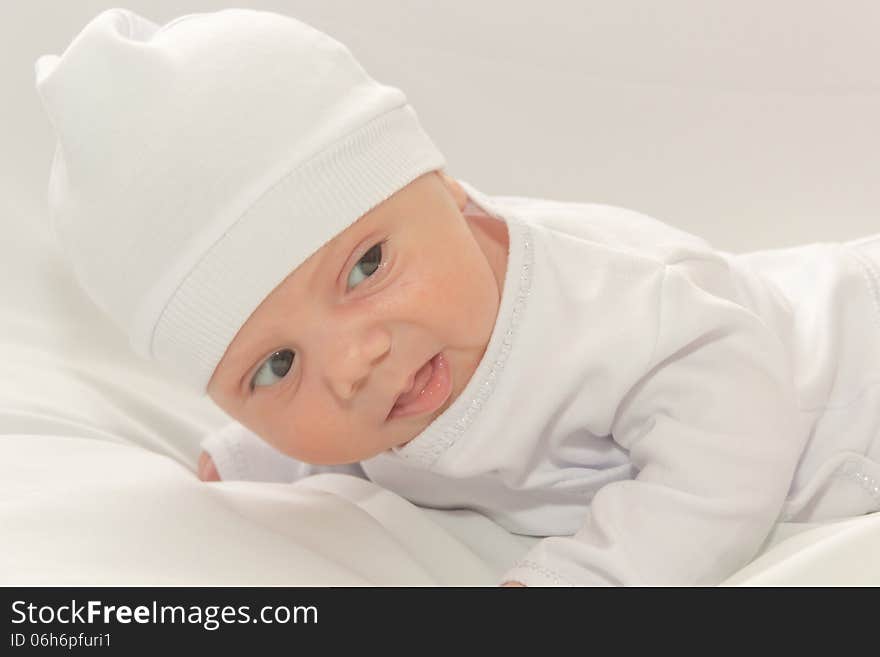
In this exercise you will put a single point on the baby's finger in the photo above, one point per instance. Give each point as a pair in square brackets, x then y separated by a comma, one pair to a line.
[207, 469]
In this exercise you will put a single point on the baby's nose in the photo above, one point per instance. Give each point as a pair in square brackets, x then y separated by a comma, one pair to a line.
[354, 359]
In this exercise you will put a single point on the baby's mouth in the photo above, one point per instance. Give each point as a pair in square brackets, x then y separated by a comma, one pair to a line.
[419, 379]
[430, 388]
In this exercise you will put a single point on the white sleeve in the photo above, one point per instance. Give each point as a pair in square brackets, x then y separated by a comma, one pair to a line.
[713, 428]
[240, 454]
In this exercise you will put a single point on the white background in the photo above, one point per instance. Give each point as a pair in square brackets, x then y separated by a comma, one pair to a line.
[753, 124]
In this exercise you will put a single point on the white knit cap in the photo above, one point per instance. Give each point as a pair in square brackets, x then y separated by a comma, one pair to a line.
[199, 163]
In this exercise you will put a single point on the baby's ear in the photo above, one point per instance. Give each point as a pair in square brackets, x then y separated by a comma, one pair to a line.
[455, 190]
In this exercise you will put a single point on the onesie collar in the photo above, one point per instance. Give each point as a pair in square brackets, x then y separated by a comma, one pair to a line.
[453, 423]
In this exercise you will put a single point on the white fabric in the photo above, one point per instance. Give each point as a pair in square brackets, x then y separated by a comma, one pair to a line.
[673, 402]
[200, 162]
[86, 512]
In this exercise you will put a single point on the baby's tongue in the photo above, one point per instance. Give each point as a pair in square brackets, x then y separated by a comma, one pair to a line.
[422, 377]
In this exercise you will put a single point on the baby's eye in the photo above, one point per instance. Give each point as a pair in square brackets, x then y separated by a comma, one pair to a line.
[369, 263]
[278, 364]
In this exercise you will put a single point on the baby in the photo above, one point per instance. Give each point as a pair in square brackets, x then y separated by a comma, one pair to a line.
[275, 229]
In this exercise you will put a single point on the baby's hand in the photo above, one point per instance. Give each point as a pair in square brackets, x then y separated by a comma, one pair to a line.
[207, 469]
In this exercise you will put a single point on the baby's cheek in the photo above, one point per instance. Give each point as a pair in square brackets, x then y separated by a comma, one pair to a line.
[269, 424]
[311, 435]
[476, 309]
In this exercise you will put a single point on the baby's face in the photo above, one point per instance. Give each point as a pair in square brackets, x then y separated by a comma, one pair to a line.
[317, 368]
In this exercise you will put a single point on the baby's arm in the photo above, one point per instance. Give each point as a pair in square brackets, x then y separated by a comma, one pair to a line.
[714, 430]
[236, 453]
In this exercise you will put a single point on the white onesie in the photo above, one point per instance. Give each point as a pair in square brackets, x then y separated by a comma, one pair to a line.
[650, 404]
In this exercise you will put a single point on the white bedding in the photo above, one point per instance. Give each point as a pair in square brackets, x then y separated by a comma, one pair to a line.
[98, 450]
[80, 511]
